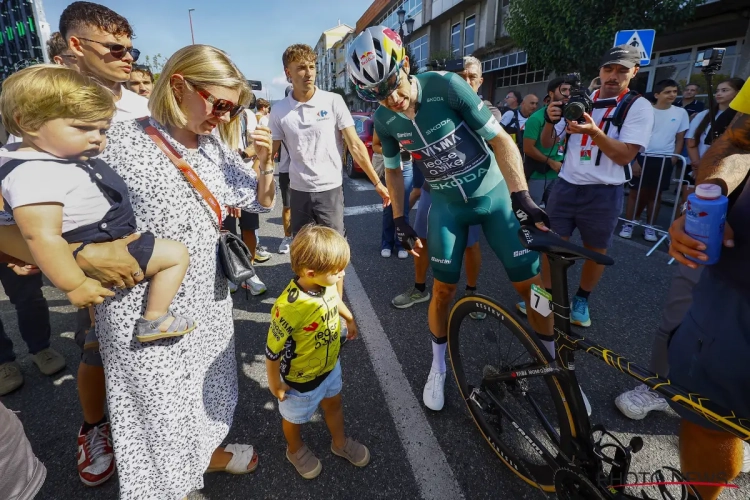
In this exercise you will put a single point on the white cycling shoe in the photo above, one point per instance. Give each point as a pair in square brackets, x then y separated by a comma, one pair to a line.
[433, 394]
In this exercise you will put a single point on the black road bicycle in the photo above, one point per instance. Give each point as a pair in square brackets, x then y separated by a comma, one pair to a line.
[529, 407]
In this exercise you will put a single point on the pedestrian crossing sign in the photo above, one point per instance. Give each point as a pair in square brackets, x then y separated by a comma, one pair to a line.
[643, 40]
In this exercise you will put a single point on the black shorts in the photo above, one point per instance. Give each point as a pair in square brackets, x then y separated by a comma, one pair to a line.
[248, 222]
[142, 249]
[325, 208]
[650, 170]
[284, 187]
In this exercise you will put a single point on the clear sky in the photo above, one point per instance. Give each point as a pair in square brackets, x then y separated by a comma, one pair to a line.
[255, 33]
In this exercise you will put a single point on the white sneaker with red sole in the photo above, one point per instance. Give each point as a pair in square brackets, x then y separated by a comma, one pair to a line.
[96, 458]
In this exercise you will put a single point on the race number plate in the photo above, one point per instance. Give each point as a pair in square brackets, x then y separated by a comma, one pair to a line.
[541, 300]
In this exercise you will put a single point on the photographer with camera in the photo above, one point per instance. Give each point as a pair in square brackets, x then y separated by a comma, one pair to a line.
[604, 134]
[541, 164]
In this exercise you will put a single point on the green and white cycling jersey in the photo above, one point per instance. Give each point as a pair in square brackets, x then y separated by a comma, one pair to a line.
[446, 138]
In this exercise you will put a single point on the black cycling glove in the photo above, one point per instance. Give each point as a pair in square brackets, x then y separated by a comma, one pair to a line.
[405, 233]
[527, 212]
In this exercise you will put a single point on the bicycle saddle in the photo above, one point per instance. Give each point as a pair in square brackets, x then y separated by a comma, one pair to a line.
[550, 243]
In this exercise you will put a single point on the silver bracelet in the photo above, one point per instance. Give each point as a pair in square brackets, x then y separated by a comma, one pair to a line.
[267, 172]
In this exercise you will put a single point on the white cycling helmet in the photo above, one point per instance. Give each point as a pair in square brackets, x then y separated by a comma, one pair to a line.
[374, 62]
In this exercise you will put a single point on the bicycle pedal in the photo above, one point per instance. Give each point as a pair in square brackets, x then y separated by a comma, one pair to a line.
[481, 400]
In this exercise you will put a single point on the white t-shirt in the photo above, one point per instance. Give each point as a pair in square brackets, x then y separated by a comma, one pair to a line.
[263, 121]
[694, 123]
[44, 181]
[311, 132]
[508, 118]
[636, 130]
[130, 106]
[667, 124]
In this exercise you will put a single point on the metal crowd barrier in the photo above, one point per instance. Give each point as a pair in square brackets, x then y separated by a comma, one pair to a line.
[666, 162]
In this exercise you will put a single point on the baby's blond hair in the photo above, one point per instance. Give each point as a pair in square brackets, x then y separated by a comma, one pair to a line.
[319, 249]
[38, 94]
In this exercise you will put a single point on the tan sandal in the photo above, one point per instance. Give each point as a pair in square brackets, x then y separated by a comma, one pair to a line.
[356, 453]
[242, 456]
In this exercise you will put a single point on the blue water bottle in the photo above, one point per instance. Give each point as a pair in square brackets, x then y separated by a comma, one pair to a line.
[704, 220]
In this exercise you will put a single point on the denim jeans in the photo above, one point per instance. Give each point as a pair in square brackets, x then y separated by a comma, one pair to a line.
[25, 293]
[388, 238]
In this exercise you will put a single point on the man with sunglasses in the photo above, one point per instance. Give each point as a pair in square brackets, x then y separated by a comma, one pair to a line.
[447, 128]
[100, 40]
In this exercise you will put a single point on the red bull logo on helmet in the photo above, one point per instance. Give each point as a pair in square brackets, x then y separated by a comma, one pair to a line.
[366, 57]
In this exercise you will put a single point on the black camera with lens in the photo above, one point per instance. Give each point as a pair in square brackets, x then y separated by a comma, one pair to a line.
[579, 101]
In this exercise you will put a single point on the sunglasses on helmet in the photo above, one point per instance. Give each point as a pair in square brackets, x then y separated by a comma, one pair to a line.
[220, 106]
[380, 91]
[117, 50]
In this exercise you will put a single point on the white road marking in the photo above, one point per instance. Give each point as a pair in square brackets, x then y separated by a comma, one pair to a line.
[360, 184]
[430, 467]
[363, 209]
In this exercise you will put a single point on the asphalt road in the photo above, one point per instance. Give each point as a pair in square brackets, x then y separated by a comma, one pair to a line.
[416, 453]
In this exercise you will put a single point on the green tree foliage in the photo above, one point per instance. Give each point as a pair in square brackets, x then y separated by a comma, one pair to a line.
[572, 35]
[156, 63]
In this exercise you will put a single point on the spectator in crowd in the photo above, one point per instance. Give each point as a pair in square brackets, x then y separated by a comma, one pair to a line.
[263, 109]
[286, 213]
[596, 84]
[58, 51]
[514, 120]
[588, 194]
[141, 80]
[708, 353]
[688, 102]
[310, 121]
[190, 408]
[304, 374]
[101, 41]
[699, 135]
[512, 101]
[388, 240]
[652, 172]
[542, 164]
[637, 403]
[472, 73]
[24, 289]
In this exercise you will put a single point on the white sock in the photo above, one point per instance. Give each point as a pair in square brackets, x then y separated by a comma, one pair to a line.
[550, 345]
[438, 357]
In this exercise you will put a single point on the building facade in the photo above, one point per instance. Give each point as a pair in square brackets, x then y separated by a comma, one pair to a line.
[327, 69]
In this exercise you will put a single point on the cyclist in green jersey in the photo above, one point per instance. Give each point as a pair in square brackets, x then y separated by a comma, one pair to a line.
[473, 169]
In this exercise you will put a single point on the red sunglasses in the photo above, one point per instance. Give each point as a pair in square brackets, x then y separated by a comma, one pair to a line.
[220, 106]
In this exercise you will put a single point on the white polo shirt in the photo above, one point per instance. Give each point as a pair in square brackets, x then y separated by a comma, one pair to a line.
[579, 166]
[311, 132]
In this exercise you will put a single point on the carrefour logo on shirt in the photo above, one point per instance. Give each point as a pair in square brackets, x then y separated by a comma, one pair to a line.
[322, 115]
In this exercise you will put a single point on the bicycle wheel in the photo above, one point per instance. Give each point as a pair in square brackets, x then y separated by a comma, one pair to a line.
[511, 412]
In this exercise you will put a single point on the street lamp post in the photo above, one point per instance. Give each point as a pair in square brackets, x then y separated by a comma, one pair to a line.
[190, 15]
[409, 22]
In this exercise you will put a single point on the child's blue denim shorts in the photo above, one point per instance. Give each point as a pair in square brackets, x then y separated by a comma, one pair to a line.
[299, 407]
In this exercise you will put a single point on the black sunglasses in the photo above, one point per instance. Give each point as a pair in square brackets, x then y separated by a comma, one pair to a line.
[117, 50]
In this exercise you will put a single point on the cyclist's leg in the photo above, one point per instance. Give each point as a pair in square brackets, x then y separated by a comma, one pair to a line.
[473, 258]
[522, 266]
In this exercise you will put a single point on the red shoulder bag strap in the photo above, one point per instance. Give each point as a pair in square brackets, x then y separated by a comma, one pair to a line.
[182, 166]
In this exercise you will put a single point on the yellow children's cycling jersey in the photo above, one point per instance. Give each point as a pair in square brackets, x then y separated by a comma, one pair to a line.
[304, 333]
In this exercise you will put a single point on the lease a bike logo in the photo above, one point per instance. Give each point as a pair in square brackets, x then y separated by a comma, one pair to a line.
[366, 57]
[453, 160]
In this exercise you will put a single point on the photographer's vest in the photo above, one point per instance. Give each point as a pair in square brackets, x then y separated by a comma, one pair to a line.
[621, 106]
[515, 131]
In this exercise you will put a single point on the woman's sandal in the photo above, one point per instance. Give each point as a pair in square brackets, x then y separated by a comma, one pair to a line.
[242, 455]
[146, 331]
